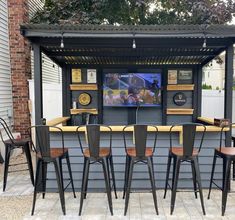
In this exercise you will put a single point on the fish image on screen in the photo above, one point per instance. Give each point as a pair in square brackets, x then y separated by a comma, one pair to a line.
[132, 89]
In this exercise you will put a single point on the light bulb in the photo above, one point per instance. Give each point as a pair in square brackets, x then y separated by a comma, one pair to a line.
[204, 43]
[62, 43]
[133, 44]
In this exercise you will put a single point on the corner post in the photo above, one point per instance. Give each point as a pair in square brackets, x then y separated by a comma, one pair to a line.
[228, 85]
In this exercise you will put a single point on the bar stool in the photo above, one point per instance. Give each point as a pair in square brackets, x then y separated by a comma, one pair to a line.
[11, 144]
[227, 153]
[186, 153]
[139, 152]
[46, 154]
[93, 153]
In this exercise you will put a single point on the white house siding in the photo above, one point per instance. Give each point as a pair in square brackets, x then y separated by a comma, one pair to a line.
[34, 6]
[5, 69]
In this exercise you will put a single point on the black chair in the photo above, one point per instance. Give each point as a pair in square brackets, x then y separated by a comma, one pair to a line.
[139, 151]
[11, 144]
[227, 153]
[188, 152]
[46, 154]
[89, 138]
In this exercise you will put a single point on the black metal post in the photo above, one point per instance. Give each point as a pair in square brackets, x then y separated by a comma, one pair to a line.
[38, 84]
[228, 94]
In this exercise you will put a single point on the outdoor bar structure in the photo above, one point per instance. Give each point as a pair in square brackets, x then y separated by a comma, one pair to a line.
[103, 66]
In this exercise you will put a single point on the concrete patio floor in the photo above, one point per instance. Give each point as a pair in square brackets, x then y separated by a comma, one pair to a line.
[16, 203]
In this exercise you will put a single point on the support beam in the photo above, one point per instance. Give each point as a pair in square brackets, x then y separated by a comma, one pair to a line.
[65, 91]
[38, 84]
[228, 87]
[197, 103]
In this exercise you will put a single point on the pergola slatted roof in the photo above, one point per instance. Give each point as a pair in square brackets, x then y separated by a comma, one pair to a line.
[110, 45]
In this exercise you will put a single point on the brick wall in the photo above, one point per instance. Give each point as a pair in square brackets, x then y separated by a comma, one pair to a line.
[20, 64]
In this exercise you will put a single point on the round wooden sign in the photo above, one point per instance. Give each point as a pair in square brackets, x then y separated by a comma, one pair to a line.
[84, 98]
[179, 98]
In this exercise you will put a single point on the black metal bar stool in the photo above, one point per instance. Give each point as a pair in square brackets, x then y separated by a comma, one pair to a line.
[141, 151]
[46, 154]
[89, 137]
[186, 153]
[227, 153]
[10, 144]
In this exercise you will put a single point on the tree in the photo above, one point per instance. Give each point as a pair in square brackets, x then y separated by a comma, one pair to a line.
[136, 12]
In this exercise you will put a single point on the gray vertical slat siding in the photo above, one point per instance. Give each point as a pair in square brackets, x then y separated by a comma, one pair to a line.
[140, 176]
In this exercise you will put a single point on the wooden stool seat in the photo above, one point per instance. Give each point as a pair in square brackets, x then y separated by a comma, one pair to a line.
[55, 152]
[230, 151]
[179, 151]
[131, 151]
[103, 152]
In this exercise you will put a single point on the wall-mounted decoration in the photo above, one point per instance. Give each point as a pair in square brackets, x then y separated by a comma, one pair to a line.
[84, 99]
[185, 75]
[91, 76]
[172, 76]
[76, 75]
[180, 98]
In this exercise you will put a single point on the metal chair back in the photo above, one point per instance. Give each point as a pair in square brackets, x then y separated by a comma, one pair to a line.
[140, 137]
[189, 133]
[92, 134]
[222, 133]
[42, 139]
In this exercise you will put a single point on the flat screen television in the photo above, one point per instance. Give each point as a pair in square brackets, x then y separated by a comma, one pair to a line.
[132, 89]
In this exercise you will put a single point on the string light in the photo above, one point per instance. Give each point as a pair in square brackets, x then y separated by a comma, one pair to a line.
[204, 43]
[133, 44]
[62, 41]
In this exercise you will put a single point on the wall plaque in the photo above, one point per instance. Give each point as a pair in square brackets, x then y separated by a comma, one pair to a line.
[172, 76]
[180, 98]
[76, 76]
[84, 98]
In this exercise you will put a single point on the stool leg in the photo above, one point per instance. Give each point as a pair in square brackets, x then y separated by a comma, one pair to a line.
[108, 189]
[44, 178]
[36, 185]
[6, 166]
[194, 179]
[70, 174]
[29, 160]
[59, 182]
[84, 177]
[127, 166]
[113, 175]
[167, 174]
[212, 175]
[176, 170]
[152, 180]
[86, 181]
[61, 173]
[226, 185]
[198, 176]
[130, 173]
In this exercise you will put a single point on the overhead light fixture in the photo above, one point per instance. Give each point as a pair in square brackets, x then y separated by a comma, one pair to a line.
[204, 45]
[62, 41]
[133, 44]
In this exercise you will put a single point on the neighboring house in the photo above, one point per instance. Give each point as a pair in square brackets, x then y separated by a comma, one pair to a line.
[213, 74]
[6, 104]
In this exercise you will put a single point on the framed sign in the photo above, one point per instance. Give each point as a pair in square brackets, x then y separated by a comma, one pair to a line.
[185, 75]
[180, 98]
[91, 76]
[172, 76]
[76, 75]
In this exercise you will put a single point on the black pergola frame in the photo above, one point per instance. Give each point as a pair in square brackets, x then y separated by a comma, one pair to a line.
[168, 44]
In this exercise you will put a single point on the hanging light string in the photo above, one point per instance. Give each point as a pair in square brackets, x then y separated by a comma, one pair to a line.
[62, 41]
